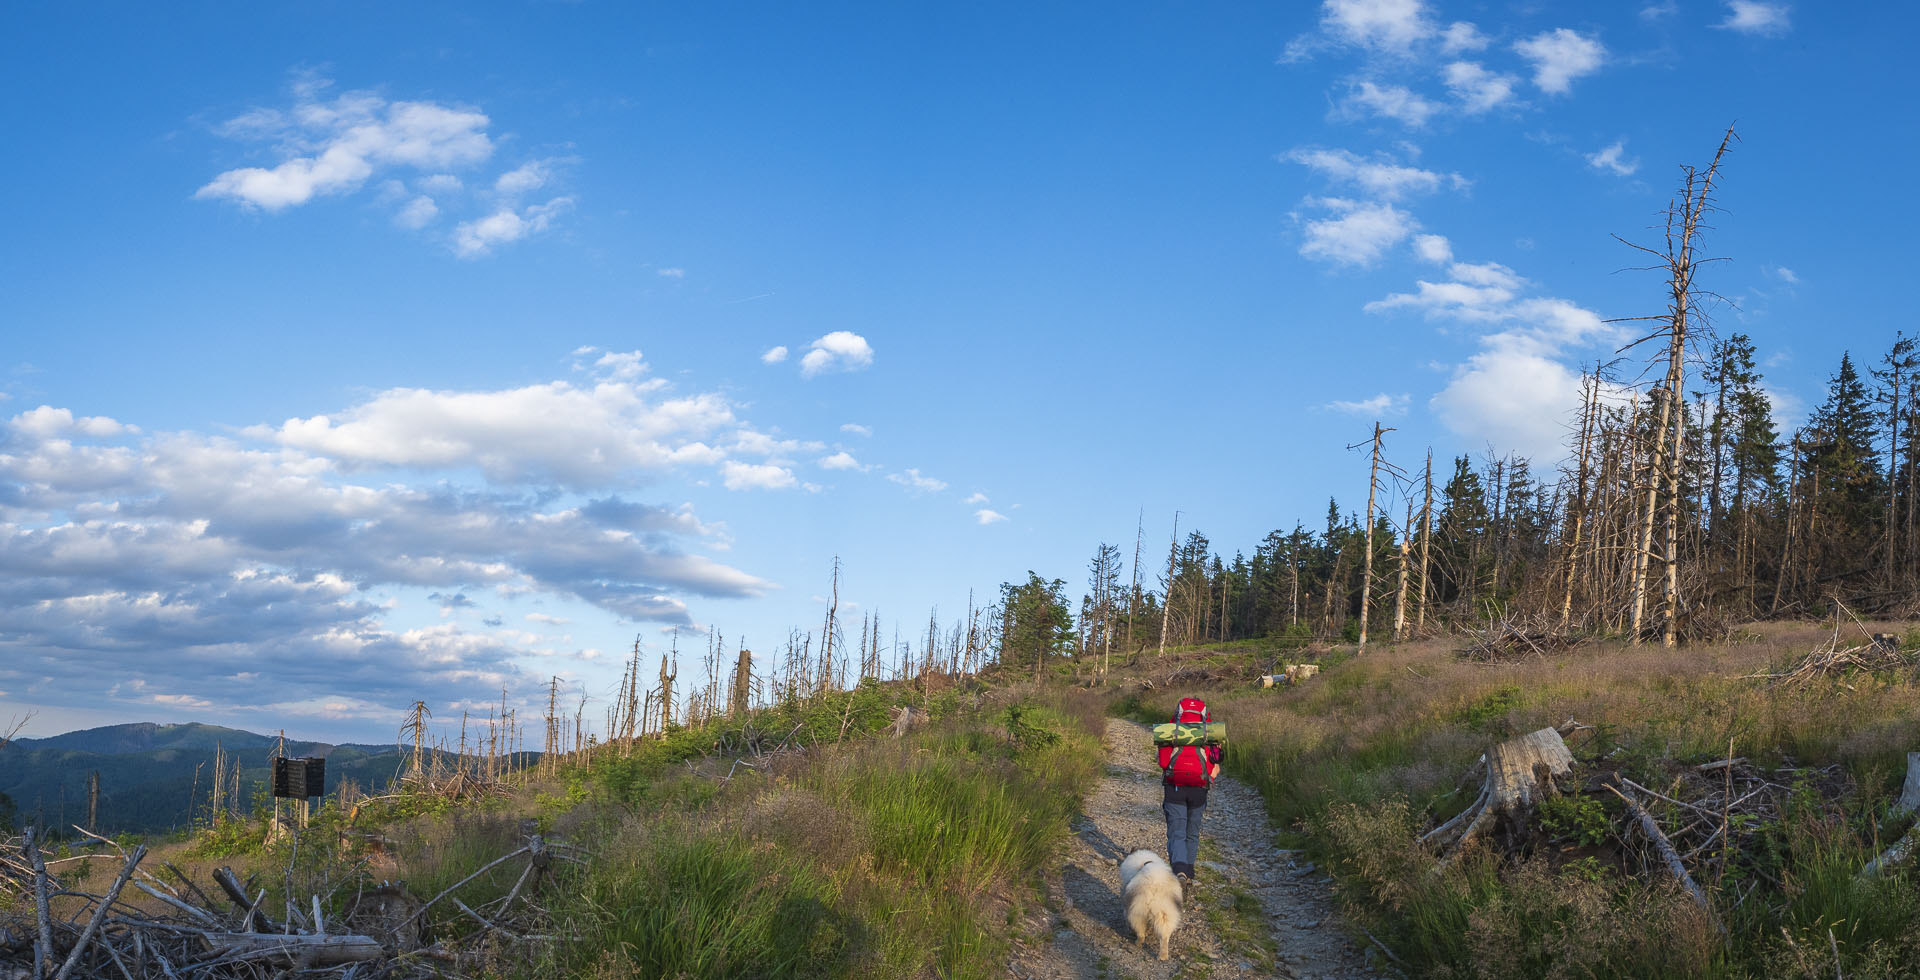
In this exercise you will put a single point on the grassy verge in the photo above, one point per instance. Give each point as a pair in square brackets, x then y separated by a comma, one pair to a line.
[1356, 764]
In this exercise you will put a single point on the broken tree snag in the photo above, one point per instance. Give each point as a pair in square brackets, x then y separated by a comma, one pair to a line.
[1907, 805]
[1520, 773]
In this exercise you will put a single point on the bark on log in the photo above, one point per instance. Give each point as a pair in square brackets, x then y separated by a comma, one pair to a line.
[252, 918]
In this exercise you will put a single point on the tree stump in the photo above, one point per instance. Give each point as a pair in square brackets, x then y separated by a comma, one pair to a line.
[1520, 773]
[1907, 805]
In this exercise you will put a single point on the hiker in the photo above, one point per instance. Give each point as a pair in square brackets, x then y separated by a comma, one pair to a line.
[1185, 773]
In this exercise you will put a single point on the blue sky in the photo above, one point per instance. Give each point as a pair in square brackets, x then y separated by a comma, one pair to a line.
[357, 354]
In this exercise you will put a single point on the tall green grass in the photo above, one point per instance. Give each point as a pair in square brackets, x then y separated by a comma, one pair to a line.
[874, 859]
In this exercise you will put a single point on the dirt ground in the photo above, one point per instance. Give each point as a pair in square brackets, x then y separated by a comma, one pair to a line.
[1257, 911]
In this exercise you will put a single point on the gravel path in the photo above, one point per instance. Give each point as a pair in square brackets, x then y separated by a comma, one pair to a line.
[1253, 913]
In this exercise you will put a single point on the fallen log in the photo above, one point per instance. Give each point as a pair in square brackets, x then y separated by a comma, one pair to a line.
[1668, 854]
[297, 950]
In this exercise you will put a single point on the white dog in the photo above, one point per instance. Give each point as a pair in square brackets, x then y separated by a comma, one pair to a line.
[1153, 897]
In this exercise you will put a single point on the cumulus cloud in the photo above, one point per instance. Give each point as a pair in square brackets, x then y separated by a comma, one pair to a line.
[1369, 98]
[1357, 233]
[841, 350]
[984, 516]
[1613, 160]
[736, 475]
[1461, 36]
[1380, 178]
[1559, 56]
[1785, 275]
[1477, 89]
[418, 213]
[557, 432]
[184, 564]
[841, 460]
[1382, 25]
[334, 147]
[976, 498]
[774, 355]
[1433, 248]
[913, 480]
[1513, 399]
[1751, 17]
[473, 239]
[1379, 405]
[1515, 392]
[855, 428]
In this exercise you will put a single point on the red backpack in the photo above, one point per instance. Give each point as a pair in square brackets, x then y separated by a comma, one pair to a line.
[1187, 765]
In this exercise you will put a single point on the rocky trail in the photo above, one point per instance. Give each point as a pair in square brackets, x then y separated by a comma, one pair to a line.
[1257, 911]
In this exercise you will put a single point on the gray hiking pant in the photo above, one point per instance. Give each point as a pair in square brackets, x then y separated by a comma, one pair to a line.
[1184, 807]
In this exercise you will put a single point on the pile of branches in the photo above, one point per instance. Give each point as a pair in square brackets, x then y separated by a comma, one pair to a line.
[1880, 652]
[1514, 638]
[58, 931]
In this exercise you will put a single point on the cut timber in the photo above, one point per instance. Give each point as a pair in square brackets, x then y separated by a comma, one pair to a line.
[1907, 805]
[1290, 674]
[1520, 773]
[299, 950]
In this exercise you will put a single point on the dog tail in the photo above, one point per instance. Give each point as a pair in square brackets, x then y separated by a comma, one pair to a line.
[1166, 919]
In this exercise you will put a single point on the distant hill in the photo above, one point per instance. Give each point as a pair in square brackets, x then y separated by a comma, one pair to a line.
[150, 775]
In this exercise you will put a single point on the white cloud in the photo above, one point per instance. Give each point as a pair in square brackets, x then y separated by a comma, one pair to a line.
[47, 422]
[1433, 248]
[840, 350]
[673, 273]
[1785, 274]
[546, 620]
[736, 475]
[1461, 36]
[1359, 234]
[774, 355]
[622, 366]
[1559, 56]
[1612, 160]
[841, 460]
[1515, 400]
[1389, 181]
[1375, 407]
[984, 516]
[913, 480]
[1381, 25]
[976, 498]
[440, 184]
[1751, 17]
[1478, 89]
[855, 428]
[418, 213]
[335, 147]
[529, 176]
[1390, 101]
[552, 432]
[473, 239]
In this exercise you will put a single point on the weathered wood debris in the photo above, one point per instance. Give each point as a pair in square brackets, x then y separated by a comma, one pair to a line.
[1290, 674]
[61, 932]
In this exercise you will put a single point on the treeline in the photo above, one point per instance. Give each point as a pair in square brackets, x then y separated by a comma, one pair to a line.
[1764, 524]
